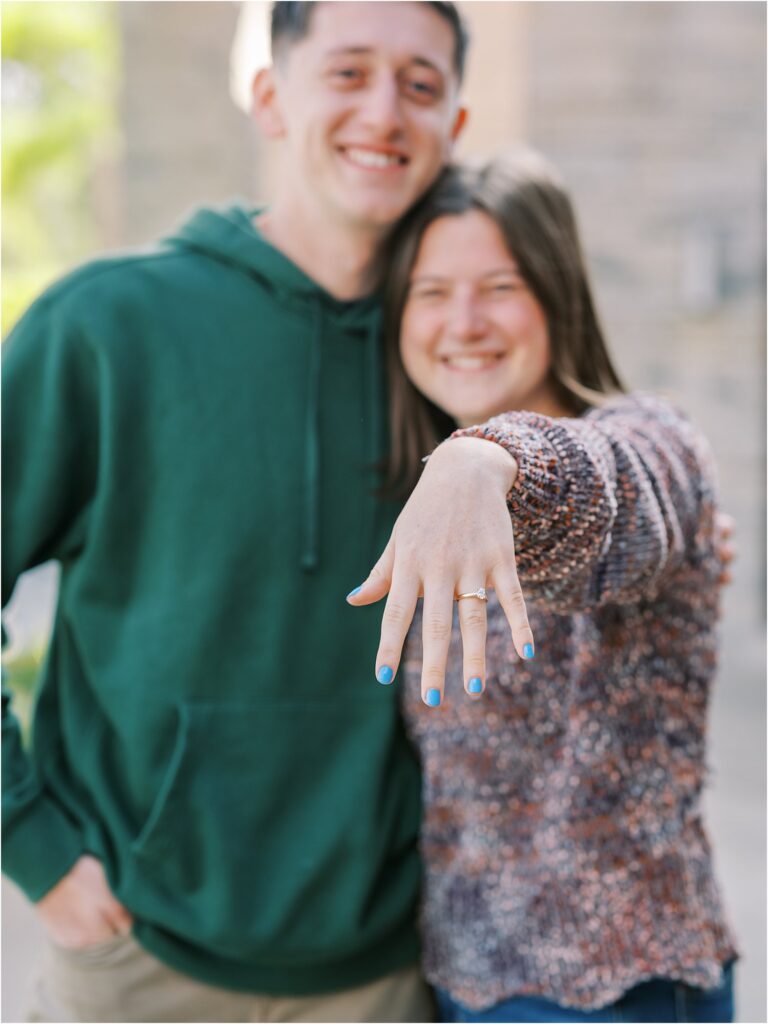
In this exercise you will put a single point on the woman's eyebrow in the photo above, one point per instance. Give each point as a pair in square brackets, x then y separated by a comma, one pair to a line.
[499, 272]
[511, 269]
[422, 278]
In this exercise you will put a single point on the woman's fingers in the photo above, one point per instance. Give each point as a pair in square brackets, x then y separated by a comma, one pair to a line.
[379, 579]
[437, 624]
[509, 592]
[725, 525]
[473, 621]
[398, 615]
[724, 546]
[405, 584]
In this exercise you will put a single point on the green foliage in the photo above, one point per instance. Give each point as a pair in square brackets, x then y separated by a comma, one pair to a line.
[60, 64]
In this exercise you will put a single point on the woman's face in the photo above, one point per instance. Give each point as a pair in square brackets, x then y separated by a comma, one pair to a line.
[473, 338]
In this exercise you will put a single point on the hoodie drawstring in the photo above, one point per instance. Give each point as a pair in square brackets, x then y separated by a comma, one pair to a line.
[309, 555]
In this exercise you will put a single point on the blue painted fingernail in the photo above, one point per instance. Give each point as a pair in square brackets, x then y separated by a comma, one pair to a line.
[528, 651]
[385, 675]
[355, 591]
[432, 698]
[475, 685]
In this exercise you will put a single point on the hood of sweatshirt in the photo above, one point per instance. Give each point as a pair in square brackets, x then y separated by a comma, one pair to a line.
[230, 236]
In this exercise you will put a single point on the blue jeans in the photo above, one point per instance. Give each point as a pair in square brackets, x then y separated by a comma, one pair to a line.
[656, 1000]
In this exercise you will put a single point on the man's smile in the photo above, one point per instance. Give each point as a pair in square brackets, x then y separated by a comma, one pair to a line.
[371, 158]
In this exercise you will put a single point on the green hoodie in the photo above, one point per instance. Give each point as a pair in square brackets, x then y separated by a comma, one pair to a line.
[190, 431]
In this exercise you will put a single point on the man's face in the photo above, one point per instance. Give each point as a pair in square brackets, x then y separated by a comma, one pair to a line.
[368, 105]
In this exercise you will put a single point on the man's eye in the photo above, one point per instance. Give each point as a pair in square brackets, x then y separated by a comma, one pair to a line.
[422, 89]
[346, 76]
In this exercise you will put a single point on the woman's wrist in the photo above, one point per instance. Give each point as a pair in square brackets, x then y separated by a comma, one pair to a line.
[469, 456]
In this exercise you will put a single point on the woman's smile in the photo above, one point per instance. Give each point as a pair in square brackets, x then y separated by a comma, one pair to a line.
[475, 363]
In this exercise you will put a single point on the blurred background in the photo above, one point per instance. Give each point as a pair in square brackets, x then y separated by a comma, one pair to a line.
[120, 117]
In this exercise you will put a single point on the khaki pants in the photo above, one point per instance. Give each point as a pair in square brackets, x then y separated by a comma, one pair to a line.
[119, 981]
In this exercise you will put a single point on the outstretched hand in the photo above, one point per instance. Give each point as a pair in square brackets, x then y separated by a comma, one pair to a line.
[453, 537]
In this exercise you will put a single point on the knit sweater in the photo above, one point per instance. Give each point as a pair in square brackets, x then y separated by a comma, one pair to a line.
[563, 848]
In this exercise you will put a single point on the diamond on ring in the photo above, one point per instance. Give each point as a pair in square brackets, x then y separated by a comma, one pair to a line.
[479, 593]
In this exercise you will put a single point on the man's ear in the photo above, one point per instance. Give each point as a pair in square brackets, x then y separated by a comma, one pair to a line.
[462, 115]
[265, 108]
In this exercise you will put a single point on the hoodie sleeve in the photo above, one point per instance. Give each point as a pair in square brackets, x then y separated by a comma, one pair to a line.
[50, 443]
[607, 507]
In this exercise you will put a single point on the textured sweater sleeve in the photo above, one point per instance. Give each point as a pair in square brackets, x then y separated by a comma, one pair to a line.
[605, 508]
[50, 433]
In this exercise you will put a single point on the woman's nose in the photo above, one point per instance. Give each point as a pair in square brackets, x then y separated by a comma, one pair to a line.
[468, 322]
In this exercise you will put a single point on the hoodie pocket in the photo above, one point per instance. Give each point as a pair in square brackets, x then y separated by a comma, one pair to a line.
[274, 825]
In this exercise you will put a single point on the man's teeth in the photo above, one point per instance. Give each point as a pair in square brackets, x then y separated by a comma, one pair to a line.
[367, 158]
[471, 362]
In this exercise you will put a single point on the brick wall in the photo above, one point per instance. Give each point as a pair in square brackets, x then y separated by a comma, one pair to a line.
[185, 142]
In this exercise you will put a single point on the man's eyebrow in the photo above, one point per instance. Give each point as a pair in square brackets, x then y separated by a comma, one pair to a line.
[358, 51]
[341, 50]
[424, 63]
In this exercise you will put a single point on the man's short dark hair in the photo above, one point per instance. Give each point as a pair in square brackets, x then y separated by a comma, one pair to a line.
[291, 18]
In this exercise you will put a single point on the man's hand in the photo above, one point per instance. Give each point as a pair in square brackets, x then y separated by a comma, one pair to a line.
[80, 910]
[453, 536]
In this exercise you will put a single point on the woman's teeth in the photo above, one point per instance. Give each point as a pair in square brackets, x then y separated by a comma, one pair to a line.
[471, 362]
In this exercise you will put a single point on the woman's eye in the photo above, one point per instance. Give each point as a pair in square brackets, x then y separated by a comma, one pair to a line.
[428, 293]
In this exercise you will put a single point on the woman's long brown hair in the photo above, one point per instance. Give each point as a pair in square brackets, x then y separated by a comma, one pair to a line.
[524, 196]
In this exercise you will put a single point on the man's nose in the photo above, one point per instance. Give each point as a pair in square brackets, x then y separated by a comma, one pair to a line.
[383, 107]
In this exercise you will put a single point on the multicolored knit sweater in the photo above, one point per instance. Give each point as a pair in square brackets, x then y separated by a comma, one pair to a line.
[563, 847]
